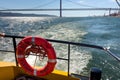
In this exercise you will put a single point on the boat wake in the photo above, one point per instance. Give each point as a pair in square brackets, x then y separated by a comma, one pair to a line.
[98, 31]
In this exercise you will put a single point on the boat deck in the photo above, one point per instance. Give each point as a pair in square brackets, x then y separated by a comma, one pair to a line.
[9, 71]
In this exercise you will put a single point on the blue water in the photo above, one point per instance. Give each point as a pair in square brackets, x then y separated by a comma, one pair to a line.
[102, 31]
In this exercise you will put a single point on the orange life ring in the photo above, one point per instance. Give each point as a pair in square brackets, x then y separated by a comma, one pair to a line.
[21, 49]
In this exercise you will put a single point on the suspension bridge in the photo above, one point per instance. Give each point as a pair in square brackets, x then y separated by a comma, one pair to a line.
[60, 9]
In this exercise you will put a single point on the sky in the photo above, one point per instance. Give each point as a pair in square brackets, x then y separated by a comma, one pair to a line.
[41, 4]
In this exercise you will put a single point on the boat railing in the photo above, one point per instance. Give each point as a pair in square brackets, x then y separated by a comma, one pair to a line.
[58, 41]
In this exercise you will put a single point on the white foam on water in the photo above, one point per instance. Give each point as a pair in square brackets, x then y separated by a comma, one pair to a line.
[61, 31]
[25, 19]
[79, 60]
[64, 32]
[31, 60]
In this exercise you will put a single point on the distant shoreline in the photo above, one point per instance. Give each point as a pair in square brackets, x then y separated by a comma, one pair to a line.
[10, 14]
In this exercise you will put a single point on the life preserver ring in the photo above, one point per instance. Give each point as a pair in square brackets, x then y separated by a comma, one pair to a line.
[50, 52]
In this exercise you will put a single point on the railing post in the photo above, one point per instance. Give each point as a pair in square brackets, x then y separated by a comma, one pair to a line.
[14, 44]
[68, 59]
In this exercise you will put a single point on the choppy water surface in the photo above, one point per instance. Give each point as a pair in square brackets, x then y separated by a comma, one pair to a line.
[102, 31]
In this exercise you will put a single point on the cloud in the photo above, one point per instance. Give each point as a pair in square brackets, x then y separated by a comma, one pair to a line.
[80, 1]
[112, 0]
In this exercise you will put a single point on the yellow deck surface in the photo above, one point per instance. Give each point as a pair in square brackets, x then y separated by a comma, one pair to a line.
[8, 71]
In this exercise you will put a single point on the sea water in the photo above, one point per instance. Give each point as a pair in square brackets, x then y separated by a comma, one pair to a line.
[102, 31]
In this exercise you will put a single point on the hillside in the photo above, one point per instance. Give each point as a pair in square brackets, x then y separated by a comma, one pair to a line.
[11, 14]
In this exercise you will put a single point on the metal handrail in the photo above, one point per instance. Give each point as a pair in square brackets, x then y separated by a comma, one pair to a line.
[63, 42]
